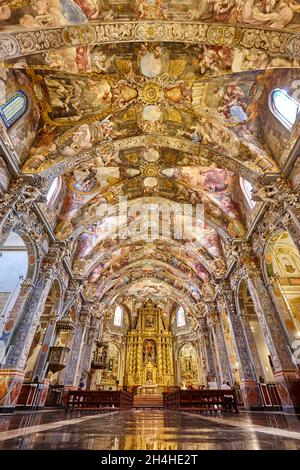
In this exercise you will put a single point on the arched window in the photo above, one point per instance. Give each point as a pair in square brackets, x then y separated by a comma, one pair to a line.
[284, 107]
[180, 317]
[247, 189]
[118, 316]
[13, 269]
[14, 108]
[53, 191]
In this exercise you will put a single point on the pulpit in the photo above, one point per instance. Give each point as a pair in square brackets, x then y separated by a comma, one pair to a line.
[58, 358]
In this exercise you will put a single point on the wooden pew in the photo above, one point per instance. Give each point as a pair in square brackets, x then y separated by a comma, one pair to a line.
[201, 400]
[98, 400]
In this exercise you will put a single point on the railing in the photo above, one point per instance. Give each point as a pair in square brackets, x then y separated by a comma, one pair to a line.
[105, 400]
[201, 400]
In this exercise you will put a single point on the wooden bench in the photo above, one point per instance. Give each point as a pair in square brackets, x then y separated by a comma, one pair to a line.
[98, 400]
[202, 400]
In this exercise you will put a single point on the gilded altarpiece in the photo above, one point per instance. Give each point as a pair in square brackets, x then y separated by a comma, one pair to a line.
[149, 356]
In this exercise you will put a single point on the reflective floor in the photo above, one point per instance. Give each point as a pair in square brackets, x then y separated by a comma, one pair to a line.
[149, 430]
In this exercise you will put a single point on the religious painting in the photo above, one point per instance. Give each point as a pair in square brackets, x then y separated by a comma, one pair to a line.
[149, 351]
[52, 13]
[149, 321]
[76, 98]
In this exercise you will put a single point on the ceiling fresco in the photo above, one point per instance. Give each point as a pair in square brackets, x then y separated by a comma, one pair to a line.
[37, 13]
[130, 122]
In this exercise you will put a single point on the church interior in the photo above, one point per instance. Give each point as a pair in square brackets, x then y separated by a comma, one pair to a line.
[125, 125]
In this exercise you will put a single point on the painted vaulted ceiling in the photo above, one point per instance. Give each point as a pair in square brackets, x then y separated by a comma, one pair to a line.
[160, 101]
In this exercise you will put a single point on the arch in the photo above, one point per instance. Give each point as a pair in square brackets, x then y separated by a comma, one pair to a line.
[284, 107]
[15, 107]
[202, 256]
[267, 40]
[170, 275]
[18, 268]
[59, 164]
[178, 296]
[13, 269]
[111, 377]
[188, 366]
[186, 264]
[281, 266]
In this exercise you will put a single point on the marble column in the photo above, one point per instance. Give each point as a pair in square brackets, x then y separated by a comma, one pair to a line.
[286, 373]
[252, 346]
[225, 371]
[26, 290]
[13, 370]
[274, 291]
[249, 387]
[69, 344]
[88, 350]
[72, 374]
[40, 368]
[210, 369]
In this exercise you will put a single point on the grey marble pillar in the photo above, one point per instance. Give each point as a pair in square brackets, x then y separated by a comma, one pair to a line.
[74, 366]
[286, 373]
[249, 387]
[210, 369]
[40, 368]
[22, 337]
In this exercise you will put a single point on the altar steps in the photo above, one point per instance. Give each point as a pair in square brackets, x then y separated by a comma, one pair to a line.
[148, 401]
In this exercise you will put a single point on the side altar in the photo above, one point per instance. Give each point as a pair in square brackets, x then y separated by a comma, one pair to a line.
[149, 352]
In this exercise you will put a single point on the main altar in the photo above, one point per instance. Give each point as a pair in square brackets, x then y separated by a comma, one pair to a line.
[149, 352]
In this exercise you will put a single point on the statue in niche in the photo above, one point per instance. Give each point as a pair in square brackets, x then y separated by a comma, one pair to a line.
[149, 377]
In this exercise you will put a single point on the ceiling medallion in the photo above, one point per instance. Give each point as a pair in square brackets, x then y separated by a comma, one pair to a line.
[151, 93]
[151, 155]
[150, 182]
[150, 170]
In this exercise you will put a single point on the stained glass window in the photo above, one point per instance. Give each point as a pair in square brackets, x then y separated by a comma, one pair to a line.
[14, 108]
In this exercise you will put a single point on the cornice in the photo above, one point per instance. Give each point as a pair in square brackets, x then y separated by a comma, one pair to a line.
[32, 41]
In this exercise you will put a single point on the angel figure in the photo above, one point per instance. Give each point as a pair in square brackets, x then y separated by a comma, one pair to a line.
[264, 194]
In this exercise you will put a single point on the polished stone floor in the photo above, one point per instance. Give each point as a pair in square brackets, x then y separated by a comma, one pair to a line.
[149, 430]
